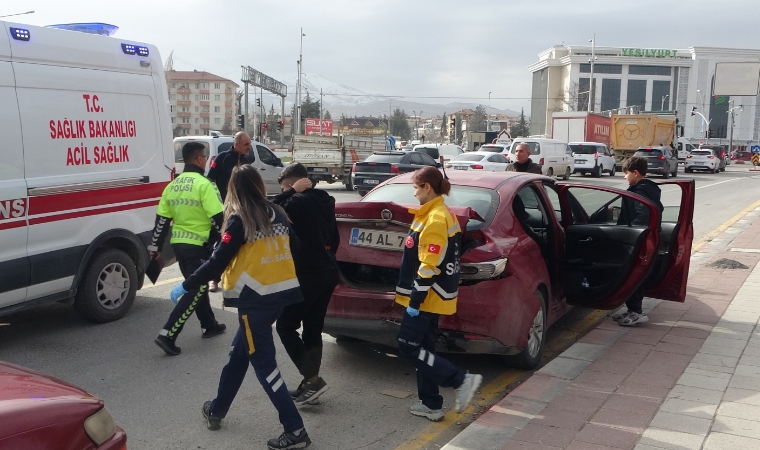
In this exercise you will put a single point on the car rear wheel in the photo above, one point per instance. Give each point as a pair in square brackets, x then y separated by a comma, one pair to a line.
[567, 174]
[350, 184]
[612, 171]
[675, 171]
[666, 174]
[108, 287]
[687, 170]
[713, 170]
[550, 172]
[530, 357]
[362, 192]
[597, 172]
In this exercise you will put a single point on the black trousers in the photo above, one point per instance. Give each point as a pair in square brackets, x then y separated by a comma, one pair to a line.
[635, 300]
[416, 343]
[190, 258]
[306, 350]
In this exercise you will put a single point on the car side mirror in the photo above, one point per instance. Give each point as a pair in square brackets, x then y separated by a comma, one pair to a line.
[279, 162]
[438, 165]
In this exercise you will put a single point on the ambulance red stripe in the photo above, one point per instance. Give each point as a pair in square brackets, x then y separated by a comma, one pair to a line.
[15, 224]
[92, 212]
[86, 199]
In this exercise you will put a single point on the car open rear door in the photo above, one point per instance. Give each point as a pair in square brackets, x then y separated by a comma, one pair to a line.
[671, 271]
[605, 261]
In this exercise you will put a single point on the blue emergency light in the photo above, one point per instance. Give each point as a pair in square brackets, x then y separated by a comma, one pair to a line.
[142, 51]
[102, 29]
[20, 34]
[129, 49]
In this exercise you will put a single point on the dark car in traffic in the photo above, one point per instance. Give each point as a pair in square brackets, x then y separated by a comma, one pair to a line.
[660, 160]
[531, 249]
[40, 412]
[741, 157]
[381, 166]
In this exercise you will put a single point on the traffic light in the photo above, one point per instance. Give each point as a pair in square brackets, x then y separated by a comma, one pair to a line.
[710, 133]
[281, 125]
[266, 127]
[693, 108]
[454, 122]
[241, 121]
[258, 102]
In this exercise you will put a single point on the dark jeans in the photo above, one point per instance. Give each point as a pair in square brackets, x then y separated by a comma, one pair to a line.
[190, 258]
[306, 350]
[416, 343]
[635, 300]
[254, 343]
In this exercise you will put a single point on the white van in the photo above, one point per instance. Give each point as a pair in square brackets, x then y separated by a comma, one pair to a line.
[264, 159]
[554, 156]
[86, 153]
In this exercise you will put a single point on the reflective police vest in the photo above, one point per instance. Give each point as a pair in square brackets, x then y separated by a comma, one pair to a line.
[191, 200]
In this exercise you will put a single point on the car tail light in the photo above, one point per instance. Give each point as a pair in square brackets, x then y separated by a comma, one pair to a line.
[353, 168]
[541, 162]
[476, 166]
[710, 157]
[688, 156]
[484, 270]
[394, 169]
[100, 426]
[661, 158]
[596, 156]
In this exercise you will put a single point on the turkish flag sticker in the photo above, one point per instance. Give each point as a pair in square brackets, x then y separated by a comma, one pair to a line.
[432, 248]
[213, 162]
[409, 242]
[226, 238]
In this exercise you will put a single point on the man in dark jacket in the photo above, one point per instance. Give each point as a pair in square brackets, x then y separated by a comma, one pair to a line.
[635, 213]
[312, 213]
[221, 168]
[523, 163]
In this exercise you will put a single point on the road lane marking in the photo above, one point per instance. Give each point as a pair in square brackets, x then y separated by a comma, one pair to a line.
[720, 182]
[714, 233]
[495, 390]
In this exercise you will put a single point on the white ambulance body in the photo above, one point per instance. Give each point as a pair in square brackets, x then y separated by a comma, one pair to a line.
[86, 146]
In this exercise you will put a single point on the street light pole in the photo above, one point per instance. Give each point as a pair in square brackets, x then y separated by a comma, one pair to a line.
[591, 96]
[731, 136]
[662, 104]
[298, 89]
[488, 116]
[415, 123]
[704, 122]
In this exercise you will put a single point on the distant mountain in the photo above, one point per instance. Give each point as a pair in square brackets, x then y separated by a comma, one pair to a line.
[340, 99]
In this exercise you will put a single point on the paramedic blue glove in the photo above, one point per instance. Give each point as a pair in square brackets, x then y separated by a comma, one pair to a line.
[412, 312]
[177, 292]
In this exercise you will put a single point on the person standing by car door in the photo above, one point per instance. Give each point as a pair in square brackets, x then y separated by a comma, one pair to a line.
[428, 286]
[221, 170]
[523, 163]
[635, 213]
[256, 257]
[193, 203]
[312, 215]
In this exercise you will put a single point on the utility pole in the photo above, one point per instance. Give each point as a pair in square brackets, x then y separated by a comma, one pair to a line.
[320, 111]
[591, 96]
[731, 136]
[488, 115]
[298, 89]
[245, 114]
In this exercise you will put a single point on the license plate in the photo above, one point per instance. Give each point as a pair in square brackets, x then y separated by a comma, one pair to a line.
[319, 169]
[371, 181]
[460, 167]
[384, 240]
[580, 161]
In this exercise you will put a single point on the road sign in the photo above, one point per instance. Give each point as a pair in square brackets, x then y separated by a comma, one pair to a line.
[756, 149]
[756, 159]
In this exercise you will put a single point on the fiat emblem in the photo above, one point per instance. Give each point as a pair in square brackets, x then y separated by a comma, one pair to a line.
[386, 214]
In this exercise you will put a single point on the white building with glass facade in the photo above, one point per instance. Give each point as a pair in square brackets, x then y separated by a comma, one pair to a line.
[650, 79]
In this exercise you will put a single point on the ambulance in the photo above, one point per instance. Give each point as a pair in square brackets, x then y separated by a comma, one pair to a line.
[86, 146]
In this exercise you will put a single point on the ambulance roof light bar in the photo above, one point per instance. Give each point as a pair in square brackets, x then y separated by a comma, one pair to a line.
[102, 29]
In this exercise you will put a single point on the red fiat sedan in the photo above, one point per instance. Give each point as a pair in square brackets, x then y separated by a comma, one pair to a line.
[41, 412]
[532, 248]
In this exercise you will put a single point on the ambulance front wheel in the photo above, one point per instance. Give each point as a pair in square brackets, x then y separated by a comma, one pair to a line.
[108, 287]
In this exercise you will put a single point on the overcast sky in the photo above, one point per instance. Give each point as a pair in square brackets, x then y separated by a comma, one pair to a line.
[459, 50]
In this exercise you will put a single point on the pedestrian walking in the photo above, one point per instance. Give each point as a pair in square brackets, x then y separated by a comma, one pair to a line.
[221, 170]
[256, 257]
[312, 214]
[634, 213]
[193, 203]
[428, 286]
[523, 162]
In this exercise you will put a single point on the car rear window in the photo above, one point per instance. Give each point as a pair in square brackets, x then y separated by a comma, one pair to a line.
[384, 158]
[701, 152]
[584, 149]
[178, 149]
[648, 152]
[491, 148]
[484, 201]
[469, 157]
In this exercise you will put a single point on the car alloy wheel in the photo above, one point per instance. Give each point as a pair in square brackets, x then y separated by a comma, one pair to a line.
[108, 287]
[113, 286]
[536, 334]
[530, 356]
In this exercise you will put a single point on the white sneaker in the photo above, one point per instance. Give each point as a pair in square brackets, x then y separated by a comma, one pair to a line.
[418, 409]
[620, 315]
[467, 390]
[633, 319]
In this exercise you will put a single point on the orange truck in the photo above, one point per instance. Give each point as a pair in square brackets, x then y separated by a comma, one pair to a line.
[629, 132]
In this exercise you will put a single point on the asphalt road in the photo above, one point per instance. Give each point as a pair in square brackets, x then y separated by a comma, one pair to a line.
[157, 398]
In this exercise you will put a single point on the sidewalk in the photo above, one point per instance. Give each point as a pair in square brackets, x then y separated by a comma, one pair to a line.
[687, 379]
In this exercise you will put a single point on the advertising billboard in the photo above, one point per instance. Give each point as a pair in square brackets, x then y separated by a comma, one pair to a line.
[313, 127]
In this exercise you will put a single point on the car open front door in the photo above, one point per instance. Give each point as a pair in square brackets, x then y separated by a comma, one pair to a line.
[671, 270]
[607, 254]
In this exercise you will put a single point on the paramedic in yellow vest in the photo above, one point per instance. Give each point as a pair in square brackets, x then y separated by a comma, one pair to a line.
[193, 203]
[256, 257]
[428, 287]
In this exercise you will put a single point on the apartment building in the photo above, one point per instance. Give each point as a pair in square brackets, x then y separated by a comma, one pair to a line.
[201, 102]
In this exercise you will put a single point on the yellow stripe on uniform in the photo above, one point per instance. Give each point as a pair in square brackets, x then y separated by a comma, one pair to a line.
[248, 335]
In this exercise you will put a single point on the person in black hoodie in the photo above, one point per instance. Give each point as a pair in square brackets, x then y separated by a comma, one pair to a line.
[312, 213]
[523, 162]
[634, 213]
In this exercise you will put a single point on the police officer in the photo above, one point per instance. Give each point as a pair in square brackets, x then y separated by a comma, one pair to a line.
[193, 203]
[221, 168]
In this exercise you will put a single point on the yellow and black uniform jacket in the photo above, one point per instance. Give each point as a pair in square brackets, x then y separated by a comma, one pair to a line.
[258, 273]
[429, 278]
